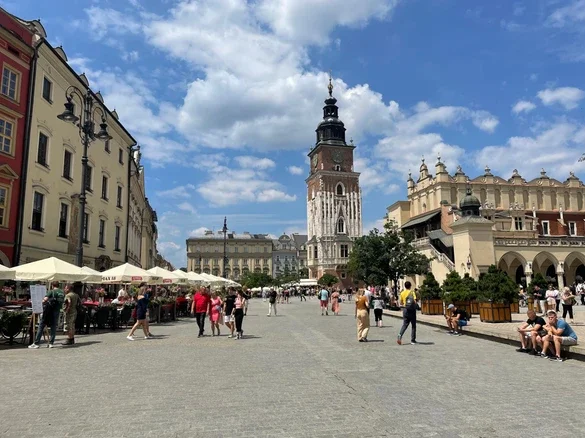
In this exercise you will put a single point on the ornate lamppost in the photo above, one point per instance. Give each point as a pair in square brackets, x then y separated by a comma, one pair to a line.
[225, 259]
[87, 133]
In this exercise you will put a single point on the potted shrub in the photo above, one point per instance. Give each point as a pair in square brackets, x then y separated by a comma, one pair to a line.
[430, 295]
[455, 291]
[473, 291]
[496, 292]
[12, 323]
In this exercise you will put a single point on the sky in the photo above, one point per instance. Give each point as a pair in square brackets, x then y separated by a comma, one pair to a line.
[224, 95]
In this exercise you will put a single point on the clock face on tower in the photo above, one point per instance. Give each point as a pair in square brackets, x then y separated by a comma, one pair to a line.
[315, 160]
[337, 157]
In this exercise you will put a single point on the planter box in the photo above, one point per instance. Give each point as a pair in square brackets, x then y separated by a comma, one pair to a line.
[463, 305]
[495, 312]
[530, 303]
[432, 307]
[475, 307]
[515, 307]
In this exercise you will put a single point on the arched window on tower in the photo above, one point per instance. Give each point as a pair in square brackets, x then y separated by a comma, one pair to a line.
[339, 189]
[341, 225]
[338, 168]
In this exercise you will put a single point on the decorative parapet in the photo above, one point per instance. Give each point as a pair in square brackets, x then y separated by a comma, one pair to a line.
[543, 241]
[425, 243]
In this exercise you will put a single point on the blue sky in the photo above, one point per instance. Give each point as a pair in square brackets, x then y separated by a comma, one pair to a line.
[224, 95]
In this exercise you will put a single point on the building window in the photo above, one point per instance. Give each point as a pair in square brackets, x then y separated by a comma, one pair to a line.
[67, 165]
[85, 227]
[4, 191]
[104, 187]
[119, 197]
[519, 223]
[42, 150]
[10, 80]
[341, 225]
[47, 90]
[343, 275]
[205, 261]
[236, 249]
[545, 228]
[121, 156]
[339, 189]
[101, 239]
[37, 213]
[117, 239]
[107, 146]
[88, 175]
[315, 252]
[6, 135]
[572, 228]
[63, 217]
[344, 251]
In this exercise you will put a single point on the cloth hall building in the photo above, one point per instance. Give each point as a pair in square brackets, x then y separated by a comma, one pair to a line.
[524, 226]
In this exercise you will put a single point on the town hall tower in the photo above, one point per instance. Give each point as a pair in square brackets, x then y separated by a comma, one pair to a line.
[334, 200]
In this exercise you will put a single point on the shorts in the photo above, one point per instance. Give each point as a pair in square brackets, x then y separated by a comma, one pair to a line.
[228, 318]
[378, 314]
[461, 322]
[324, 303]
[140, 315]
[567, 340]
[70, 320]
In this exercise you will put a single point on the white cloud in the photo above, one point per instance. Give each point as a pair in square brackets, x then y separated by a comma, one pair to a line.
[569, 97]
[178, 192]
[484, 121]
[573, 12]
[106, 22]
[249, 162]
[369, 226]
[523, 106]
[199, 232]
[302, 21]
[555, 147]
[131, 56]
[295, 170]
[271, 195]
[185, 206]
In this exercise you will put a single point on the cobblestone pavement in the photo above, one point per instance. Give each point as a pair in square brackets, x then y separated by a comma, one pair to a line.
[296, 375]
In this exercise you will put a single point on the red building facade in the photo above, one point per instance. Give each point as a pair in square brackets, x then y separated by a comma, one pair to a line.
[16, 53]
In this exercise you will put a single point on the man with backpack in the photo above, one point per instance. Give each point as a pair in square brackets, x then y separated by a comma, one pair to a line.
[72, 305]
[272, 302]
[458, 318]
[408, 304]
[52, 304]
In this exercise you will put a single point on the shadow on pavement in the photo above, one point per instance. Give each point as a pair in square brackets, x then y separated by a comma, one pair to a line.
[82, 344]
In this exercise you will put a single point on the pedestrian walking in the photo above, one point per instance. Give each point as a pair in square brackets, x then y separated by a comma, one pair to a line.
[200, 308]
[407, 302]
[324, 301]
[378, 309]
[539, 296]
[569, 301]
[335, 302]
[52, 304]
[72, 302]
[229, 307]
[215, 313]
[362, 316]
[303, 294]
[272, 302]
[141, 310]
[240, 305]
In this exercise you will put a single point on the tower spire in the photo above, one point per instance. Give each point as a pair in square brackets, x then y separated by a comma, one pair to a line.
[330, 86]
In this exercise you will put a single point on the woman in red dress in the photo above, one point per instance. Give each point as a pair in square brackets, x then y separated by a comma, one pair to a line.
[215, 314]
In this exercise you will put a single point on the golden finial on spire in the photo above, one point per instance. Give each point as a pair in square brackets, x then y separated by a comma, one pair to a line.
[330, 86]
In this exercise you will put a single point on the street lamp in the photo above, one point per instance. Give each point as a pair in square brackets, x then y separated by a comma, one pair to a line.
[224, 229]
[86, 127]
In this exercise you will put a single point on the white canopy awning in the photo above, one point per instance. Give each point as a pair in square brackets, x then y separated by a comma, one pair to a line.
[308, 282]
[6, 273]
[167, 276]
[128, 273]
[93, 276]
[51, 269]
[196, 278]
[212, 279]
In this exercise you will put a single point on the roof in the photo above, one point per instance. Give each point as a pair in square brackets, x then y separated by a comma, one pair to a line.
[218, 235]
[471, 220]
[446, 239]
[421, 219]
[300, 239]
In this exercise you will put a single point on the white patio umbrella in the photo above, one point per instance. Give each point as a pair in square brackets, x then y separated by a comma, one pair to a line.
[51, 269]
[6, 273]
[212, 279]
[128, 273]
[181, 274]
[167, 276]
[196, 278]
[93, 276]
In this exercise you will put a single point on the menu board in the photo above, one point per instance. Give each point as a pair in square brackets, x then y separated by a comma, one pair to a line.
[37, 293]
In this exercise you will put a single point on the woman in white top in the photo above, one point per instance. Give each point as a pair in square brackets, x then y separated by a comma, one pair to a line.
[552, 297]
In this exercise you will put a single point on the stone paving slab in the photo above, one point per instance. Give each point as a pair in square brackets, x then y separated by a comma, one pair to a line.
[297, 375]
[505, 331]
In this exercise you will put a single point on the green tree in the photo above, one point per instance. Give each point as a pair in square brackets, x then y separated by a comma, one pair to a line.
[256, 279]
[379, 257]
[454, 289]
[537, 280]
[496, 286]
[304, 273]
[327, 280]
[430, 288]
[471, 285]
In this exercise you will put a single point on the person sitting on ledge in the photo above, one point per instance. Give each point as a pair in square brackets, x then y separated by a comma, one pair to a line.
[559, 333]
[529, 331]
[457, 319]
